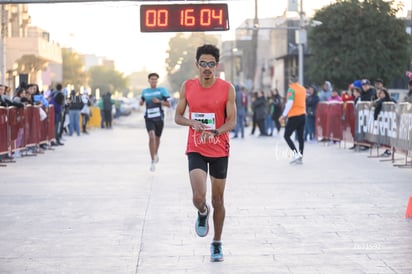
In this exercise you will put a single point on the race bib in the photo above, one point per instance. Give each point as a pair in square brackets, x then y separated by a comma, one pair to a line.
[153, 112]
[205, 118]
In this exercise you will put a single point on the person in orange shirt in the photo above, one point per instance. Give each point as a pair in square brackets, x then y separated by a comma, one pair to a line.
[212, 115]
[295, 110]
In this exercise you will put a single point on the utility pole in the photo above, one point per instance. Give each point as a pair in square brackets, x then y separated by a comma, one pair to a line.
[302, 40]
[3, 45]
[255, 43]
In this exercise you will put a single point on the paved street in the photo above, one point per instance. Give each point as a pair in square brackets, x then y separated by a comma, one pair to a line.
[93, 206]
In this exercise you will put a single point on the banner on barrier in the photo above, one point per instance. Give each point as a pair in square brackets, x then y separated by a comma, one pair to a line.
[404, 136]
[393, 126]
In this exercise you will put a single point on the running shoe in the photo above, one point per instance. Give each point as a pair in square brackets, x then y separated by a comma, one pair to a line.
[152, 167]
[216, 252]
[296, 157]
[202, 223]
[387, 153]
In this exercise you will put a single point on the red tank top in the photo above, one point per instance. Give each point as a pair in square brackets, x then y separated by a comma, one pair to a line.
[209, 106]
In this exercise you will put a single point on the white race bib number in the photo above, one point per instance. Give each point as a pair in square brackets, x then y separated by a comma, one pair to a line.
[153, 112]
[207, 119]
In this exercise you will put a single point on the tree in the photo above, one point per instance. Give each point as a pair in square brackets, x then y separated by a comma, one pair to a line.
[356, 40]
[73, 69]
[107, 79]
[182, 51]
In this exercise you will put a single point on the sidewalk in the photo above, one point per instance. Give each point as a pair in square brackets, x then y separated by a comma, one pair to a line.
[93, 206]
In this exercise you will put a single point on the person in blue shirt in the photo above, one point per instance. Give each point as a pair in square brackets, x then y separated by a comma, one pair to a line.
[155, 98]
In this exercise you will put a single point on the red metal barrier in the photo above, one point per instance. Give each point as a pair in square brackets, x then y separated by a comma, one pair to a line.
[335, 121]
[334, 126]
[27, 126]
[321, 124]
[12, 122]
[4, 131]
[348, 125]
[20, 128]
[32, 126]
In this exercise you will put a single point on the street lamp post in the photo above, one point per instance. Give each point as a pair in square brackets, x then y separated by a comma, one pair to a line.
[301, 35]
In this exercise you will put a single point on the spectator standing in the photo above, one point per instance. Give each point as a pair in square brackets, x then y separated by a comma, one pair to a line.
[5, 100]
[378, 84]
[335, 96]
[356, 95]
[20, 97]
[108, 103]
[85, 111]
[7, 93]
[253, 99]
[383, 96]
[19, 100]
[312, 101]
[348, 95]
[269, 124]
[101, 108]
[75, 105]
[356, 89]
[276, 109]
[56, 99]
[326, 92]
[259, 110]
[241, 107]
[368, 93]
[64, 125]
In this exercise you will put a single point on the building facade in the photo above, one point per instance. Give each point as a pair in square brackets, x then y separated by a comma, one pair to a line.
[27, 53]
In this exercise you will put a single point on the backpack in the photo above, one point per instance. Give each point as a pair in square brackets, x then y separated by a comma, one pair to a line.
[59, 98]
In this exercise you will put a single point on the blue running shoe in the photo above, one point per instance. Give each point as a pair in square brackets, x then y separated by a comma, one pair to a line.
[202, 223]
[216, 252]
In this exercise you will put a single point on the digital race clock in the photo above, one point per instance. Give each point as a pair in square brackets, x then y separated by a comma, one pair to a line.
[184, 17]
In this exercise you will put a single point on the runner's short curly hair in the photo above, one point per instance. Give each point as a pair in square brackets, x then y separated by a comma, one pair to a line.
[208, 49]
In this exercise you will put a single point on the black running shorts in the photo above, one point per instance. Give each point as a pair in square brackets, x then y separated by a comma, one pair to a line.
[218, 166]
[156, 125]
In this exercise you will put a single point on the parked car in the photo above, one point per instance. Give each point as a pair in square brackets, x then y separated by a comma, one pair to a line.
[123, 107]
[134, 103]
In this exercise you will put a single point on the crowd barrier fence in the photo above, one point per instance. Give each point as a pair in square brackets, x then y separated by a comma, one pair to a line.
[22, 128]
[338, 121]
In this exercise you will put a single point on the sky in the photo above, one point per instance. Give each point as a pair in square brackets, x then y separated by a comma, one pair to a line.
[111, 29]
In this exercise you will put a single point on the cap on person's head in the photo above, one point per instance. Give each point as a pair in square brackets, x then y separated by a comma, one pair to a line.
[365, 82]
[379, 81]
[357, 84]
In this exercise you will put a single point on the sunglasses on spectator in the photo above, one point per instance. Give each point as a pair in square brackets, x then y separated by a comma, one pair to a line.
[210, 64]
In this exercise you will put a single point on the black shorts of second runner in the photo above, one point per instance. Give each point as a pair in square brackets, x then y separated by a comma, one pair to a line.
[218, 166]
[156, 125]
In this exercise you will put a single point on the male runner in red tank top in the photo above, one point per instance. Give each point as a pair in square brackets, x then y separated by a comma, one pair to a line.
[212, 115]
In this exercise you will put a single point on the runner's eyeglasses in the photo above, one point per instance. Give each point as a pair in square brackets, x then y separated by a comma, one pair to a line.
[210, 64]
